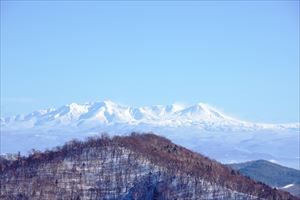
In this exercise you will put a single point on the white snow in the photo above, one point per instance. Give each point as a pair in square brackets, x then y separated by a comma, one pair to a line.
[273, 161]
[288, 186]
[200, 115]
[200, 127]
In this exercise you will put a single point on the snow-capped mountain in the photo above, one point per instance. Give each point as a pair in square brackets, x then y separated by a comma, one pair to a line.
[200, 127]
[90, 115]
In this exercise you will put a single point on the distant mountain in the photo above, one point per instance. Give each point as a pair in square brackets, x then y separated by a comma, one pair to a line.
[134, 167]
[90, 115]
[294, 189]
[198, 127]
[272, 174]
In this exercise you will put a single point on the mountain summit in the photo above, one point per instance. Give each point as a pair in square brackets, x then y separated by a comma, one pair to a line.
[95, 114]
[198, 127]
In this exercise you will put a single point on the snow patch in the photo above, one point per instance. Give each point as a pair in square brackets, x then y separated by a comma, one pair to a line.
[288, 186]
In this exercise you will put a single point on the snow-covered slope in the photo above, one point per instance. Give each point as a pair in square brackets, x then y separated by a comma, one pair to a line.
[200, 127]
[105, 113]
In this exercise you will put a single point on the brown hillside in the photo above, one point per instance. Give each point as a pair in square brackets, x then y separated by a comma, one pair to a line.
[145, 154]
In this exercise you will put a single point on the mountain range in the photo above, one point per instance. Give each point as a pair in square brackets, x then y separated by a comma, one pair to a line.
[89, 115]
[200, 127]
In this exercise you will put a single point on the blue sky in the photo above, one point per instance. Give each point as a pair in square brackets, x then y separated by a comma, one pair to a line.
[242, 57]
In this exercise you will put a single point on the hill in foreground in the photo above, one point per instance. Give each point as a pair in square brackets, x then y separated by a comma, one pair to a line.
[140, 166]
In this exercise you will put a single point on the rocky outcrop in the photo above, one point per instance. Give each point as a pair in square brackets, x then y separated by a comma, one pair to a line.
[133, 167]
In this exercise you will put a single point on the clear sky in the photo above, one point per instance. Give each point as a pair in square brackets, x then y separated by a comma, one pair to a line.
[242, 57]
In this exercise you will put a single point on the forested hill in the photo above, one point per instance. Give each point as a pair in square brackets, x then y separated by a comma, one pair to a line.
[139, 166]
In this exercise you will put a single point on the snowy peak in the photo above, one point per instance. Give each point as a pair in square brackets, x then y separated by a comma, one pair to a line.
[198, 126]
[104, 113]
[203, 111]
[174, 107]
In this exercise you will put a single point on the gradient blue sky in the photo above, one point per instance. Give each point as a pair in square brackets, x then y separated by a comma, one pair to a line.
[242, 57]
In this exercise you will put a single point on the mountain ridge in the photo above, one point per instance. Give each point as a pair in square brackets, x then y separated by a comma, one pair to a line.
[198, 127]
[201, 115]
[271, 174]
[126, 167]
